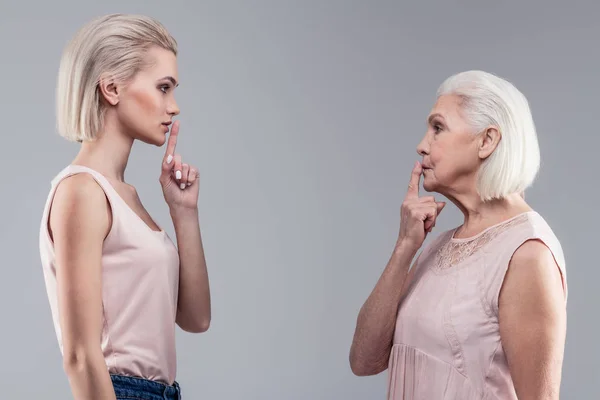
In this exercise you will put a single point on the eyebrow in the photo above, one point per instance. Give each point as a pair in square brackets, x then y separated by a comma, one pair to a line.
[173, 80]
[433, 116]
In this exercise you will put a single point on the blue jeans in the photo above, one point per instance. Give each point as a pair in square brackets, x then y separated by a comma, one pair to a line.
[130, 388]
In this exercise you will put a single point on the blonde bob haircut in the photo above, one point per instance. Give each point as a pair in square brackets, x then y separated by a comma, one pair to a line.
[490, 101]
[112, 46]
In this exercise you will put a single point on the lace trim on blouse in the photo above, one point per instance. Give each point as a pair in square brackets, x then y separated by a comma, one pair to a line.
[455, 251]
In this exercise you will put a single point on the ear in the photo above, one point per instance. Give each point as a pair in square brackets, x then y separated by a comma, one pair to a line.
[110, 90]
[489, 141]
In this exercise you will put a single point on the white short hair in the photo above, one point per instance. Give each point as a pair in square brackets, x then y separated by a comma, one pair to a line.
[112, 46]
[488, 100]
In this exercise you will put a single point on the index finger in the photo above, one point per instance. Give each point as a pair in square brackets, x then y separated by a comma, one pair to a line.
[172, 143]
[415, 180]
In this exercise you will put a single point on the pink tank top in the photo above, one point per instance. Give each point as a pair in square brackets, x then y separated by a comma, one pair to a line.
[447, 338]
[140, 277]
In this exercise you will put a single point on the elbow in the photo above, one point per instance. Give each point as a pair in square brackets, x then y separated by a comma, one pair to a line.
[196, 326]
[73, 361]
[77, 360]
[201, 326]
[362, 368]
[197, 321]
[359, 369]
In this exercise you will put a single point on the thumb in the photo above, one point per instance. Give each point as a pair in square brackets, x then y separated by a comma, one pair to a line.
[440, 206]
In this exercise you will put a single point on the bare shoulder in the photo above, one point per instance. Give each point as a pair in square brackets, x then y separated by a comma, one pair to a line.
[80, 207]
[535, 260]
[533, 274]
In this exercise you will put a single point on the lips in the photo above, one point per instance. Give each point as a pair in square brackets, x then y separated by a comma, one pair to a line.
[166, 126]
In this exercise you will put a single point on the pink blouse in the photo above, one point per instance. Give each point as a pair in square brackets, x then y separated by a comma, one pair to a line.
[447, 340]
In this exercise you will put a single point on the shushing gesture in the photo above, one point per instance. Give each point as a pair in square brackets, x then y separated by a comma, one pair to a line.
[179, 181]
[418, 214]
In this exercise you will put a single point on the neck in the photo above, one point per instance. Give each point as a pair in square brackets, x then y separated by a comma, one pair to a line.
[108, 154]
[478, 214]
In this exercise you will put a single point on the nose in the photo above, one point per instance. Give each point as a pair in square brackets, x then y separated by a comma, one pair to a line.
[423, 146]
[173, 109]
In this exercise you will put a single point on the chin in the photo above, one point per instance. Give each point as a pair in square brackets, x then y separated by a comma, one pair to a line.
[156, 140]
[429, 187]
[160, 141]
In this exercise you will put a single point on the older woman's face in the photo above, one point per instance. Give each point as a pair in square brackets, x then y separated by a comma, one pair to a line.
[449, 149]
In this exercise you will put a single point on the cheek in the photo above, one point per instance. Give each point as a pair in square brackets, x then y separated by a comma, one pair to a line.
[448, 160]
[145, 102]
[436, 153]
[453, 163]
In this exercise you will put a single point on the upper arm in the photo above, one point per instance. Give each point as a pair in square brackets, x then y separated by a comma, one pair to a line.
[79, 222]
[532, 318]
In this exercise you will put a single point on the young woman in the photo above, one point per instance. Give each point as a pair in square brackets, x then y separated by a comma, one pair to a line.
[116, 282]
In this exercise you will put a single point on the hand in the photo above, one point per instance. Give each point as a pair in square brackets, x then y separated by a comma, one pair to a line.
[179, 181]
[418, 214]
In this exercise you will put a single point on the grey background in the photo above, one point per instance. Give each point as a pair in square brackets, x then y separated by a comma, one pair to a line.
[303, 117]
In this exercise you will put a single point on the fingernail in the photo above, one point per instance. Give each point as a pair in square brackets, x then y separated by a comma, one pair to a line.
[177, 174]
[189, 183]
[169, 159]
[182, 186]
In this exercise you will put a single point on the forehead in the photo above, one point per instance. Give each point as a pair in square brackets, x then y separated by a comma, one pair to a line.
[161, 62]
[447, 107]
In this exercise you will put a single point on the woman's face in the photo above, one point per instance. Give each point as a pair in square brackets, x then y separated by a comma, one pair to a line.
[147, 103]
[450, 149]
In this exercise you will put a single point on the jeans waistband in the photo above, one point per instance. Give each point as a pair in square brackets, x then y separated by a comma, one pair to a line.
[125, 385]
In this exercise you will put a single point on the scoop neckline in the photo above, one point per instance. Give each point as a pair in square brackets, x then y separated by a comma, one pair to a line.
[470, 238]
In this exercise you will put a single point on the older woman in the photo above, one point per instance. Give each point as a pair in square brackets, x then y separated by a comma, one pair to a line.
[482, 312]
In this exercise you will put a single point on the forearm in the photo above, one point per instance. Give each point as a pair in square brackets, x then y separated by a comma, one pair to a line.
[377, 318]
[194, 308]
[88, 376]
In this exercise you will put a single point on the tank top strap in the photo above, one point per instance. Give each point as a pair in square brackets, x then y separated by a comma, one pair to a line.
[533, 227]
[72, 169]
[109, 191]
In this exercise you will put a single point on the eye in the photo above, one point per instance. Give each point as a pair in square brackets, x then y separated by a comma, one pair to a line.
[163, 88]
[437, 128]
